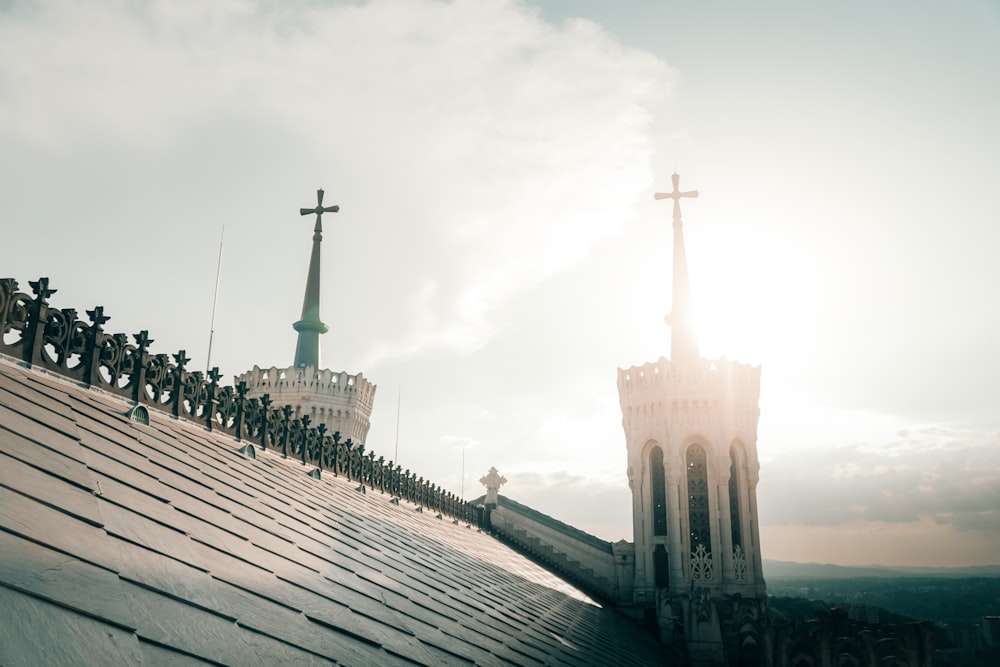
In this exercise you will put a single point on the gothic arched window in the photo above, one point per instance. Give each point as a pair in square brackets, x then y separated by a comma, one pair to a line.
[734, 496]
[698, 517]
[661, 567]
[659, 491]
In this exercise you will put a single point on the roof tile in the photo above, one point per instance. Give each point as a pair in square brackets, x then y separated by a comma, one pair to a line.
[212, 556]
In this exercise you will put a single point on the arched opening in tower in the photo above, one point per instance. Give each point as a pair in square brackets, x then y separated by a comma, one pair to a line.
[659, 491]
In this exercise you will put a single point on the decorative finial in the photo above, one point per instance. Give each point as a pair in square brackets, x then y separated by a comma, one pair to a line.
[492, 481]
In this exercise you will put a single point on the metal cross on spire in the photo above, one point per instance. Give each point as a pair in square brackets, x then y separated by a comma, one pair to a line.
[310, 326]
[683, 339]
[320, 210]
[675, 195]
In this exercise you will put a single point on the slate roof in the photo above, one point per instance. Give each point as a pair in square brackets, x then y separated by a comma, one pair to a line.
[163, 545]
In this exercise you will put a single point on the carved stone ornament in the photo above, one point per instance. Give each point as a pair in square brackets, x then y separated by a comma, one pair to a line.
[739, 564]
[492, 481]
[701, 565]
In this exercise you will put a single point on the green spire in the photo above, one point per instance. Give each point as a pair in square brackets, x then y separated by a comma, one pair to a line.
[310, 326]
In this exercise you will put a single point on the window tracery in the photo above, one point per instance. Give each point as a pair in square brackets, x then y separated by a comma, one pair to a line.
[698, 515]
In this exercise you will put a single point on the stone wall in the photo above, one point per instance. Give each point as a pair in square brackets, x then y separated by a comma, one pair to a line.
[340, 401]
[584, 559]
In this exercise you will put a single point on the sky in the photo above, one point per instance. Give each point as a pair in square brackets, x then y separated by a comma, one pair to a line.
[498, 254]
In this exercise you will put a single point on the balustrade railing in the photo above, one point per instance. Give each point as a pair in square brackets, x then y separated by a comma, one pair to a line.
[59, 341]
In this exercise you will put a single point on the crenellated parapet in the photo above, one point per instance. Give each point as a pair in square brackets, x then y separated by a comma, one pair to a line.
[715, 397]
[341, 401]
[311, 380]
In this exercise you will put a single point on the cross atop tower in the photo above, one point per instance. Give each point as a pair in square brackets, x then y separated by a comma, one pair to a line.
[310, 326]
[320, 210]
[675, 195]
[683, 340]
[691, 435]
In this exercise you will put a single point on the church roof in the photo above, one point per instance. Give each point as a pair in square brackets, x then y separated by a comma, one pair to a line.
[126, 543]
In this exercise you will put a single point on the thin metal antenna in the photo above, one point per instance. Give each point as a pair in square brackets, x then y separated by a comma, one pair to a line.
[463, 470]
[215, 301]
[399, 398]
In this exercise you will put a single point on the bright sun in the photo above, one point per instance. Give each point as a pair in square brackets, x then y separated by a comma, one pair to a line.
[753, 300]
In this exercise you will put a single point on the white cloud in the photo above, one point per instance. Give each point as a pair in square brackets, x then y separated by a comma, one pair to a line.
[940, 474]
[479, 148]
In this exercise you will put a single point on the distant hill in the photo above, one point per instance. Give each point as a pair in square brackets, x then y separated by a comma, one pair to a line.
[780, 569]
[942, 595]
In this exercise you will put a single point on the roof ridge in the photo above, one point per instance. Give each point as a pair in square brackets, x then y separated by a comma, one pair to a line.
[58, 342]
[556, 524]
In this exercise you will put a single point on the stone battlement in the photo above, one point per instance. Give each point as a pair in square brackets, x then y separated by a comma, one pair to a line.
[721, 376]
[341, 401]
[327, 382]
[719, 391]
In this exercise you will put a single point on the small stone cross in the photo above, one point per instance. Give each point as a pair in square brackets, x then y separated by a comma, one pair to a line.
[676, 195]
[319, 211]
[492, 481]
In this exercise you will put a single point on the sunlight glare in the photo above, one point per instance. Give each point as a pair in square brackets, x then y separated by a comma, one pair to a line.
[756, 307]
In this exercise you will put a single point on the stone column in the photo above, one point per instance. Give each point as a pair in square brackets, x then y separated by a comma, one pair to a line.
[754, 563]
[624, 555]
[725, 524]
[678, 556]
[641, 543]
[635, 482]
[758, 571]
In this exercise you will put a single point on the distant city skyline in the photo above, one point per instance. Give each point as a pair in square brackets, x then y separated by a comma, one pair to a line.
[498, 254]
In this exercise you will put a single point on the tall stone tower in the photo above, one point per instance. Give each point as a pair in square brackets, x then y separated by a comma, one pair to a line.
[341, 401]
[691, 435]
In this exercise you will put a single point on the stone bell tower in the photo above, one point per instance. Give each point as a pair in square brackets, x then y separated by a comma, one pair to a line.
[691, 436]
[342, 402]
